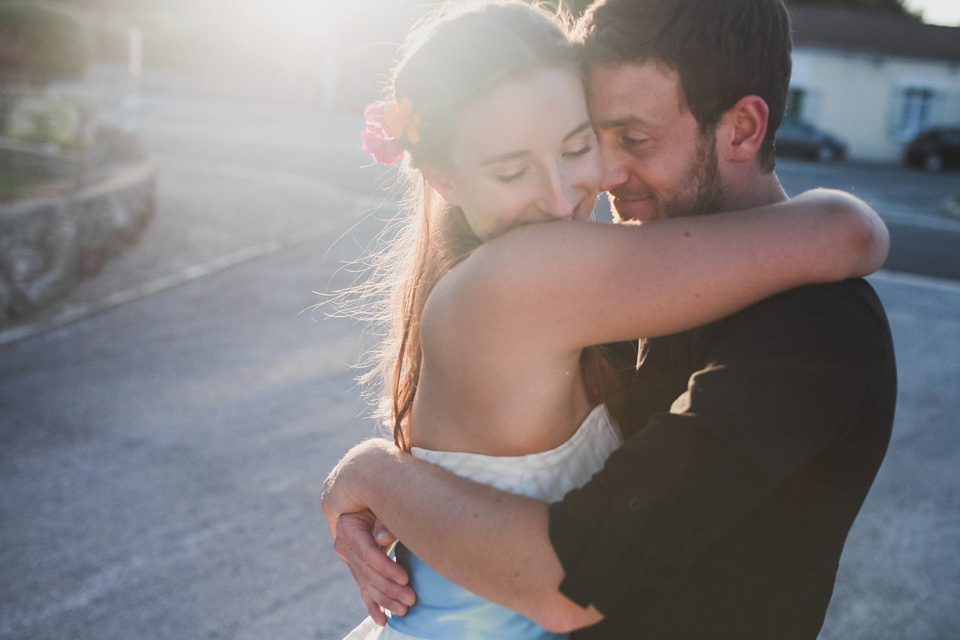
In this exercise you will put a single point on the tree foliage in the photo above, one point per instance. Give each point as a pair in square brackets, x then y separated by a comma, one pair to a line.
[42, 41]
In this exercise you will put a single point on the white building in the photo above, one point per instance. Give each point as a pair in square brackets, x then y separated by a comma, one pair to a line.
[873, 79]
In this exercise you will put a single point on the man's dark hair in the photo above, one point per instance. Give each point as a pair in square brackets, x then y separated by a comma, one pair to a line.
[721, 50]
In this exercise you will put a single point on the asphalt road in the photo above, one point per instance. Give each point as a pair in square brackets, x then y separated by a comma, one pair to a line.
[165, 431]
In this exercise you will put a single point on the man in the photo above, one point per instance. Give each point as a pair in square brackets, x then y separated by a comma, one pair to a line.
[751, 442]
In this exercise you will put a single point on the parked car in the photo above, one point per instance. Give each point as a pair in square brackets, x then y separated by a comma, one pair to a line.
[934, 149]
[799, 138]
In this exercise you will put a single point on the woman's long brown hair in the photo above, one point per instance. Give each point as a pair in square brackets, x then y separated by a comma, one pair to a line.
[451, 59]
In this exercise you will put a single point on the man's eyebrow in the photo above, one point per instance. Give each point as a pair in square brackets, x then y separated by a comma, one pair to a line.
[627, 121]
[516, 154]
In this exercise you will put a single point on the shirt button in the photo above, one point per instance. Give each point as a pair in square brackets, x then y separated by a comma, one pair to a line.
[635, 504]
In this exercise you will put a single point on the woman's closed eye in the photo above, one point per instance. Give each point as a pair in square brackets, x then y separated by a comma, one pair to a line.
[510, 176]
[582, 151]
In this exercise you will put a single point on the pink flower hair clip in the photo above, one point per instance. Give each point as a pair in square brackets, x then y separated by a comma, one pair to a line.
[387, 123]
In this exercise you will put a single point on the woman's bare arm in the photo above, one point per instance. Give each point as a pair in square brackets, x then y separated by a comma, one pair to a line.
[576, 284]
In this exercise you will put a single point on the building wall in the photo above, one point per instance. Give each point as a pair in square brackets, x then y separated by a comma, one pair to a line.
[876, 103]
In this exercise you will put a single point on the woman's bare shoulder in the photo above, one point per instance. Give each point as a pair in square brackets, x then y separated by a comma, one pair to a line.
[458, 302]
[510, 287]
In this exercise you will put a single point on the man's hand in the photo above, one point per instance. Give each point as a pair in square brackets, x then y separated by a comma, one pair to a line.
[359, 538]
[383, 584]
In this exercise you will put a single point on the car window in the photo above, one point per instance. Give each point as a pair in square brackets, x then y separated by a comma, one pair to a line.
[951, 138]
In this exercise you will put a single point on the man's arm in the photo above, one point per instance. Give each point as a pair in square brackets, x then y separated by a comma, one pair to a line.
[489, 541]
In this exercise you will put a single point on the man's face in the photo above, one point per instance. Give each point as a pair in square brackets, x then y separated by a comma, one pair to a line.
[657, 164]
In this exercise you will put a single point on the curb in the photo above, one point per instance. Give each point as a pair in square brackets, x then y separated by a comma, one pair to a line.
[49, 243]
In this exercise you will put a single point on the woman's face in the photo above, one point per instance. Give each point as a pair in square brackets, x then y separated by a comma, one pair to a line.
[524, 153]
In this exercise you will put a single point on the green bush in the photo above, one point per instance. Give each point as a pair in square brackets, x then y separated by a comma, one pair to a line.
[43, 41]
[46, 119]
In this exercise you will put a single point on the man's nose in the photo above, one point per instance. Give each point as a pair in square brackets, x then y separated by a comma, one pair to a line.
[614, 170]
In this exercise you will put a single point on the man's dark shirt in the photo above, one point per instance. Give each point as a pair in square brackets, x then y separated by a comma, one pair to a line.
[751, 445]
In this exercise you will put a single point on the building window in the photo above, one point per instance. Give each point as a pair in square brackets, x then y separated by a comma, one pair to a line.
[916, 110]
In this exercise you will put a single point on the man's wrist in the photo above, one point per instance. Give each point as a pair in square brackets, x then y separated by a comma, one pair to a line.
[350, 486]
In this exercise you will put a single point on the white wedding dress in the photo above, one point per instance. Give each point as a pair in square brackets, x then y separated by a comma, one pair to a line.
[445, 611]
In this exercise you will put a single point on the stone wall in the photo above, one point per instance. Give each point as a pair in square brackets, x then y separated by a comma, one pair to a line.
[49, 243]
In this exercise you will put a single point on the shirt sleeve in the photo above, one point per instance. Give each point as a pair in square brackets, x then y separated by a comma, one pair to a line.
[773, 386]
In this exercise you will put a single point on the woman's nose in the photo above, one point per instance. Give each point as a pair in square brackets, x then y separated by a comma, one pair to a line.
[558, 199]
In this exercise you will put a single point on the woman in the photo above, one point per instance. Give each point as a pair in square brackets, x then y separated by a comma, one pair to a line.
[490, 371]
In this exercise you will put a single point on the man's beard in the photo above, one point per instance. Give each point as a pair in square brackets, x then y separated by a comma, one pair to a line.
[704, 192]
[698, 190]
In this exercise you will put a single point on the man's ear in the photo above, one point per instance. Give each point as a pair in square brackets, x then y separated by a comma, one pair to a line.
[742, 129]
[442, 183]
